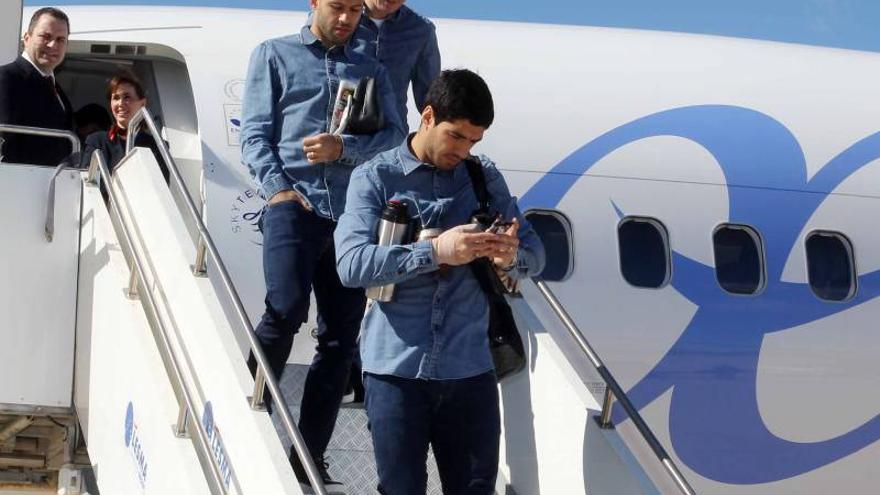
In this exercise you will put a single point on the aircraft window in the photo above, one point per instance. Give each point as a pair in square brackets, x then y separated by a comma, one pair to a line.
[830, 266]
[644, 252]
[739, 260]
[554, 229]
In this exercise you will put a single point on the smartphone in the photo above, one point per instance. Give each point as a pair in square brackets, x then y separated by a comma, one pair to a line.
[499, 226]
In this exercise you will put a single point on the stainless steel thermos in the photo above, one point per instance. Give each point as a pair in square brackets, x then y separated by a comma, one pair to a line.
[392, 231]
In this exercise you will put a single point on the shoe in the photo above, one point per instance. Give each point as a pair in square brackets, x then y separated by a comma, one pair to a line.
[332, 486]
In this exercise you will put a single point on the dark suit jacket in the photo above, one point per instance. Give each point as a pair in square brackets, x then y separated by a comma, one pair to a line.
[26, 98]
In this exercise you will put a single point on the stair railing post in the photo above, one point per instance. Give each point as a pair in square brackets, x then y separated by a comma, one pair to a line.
[258, 402]
[132, 291]
[199, 268]
[180, 429]
[605, 419]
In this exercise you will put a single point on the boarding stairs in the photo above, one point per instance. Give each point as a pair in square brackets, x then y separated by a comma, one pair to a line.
[124, 368]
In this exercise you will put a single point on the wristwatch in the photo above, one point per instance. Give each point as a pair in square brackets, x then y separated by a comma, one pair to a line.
[512, 264]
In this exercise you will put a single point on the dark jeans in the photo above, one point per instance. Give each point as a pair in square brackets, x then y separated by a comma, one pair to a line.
[298, 256]
[458, 418]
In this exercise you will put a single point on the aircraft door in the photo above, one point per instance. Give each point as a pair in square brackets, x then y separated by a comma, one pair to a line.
[10, 29]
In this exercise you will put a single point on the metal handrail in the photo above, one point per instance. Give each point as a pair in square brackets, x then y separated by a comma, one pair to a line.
[613, 390]
[75, 148]
[263, 373]
[138, 274]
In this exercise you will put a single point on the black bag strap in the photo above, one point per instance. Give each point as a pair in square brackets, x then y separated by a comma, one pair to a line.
[478, 181]
[482, 267]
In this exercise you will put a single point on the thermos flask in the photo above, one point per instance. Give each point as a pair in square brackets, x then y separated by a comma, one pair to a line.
[392, 231]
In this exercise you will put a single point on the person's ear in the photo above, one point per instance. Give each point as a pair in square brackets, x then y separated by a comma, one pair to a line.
[428, 116]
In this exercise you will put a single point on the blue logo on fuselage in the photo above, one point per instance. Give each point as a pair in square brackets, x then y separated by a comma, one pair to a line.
[712, 367]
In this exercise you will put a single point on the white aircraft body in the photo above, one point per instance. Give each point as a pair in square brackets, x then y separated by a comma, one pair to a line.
[706, 203]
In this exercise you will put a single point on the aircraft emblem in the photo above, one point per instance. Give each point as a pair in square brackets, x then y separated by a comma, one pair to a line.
[712, 367]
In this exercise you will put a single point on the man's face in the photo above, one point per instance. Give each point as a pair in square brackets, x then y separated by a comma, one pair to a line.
[335, 20]
[381, 9]
[47, 42]
[448, 143]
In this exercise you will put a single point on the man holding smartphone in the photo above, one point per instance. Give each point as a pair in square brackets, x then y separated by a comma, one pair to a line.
[428, 372]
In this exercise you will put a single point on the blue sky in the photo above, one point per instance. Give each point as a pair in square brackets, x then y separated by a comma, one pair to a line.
[839, 23]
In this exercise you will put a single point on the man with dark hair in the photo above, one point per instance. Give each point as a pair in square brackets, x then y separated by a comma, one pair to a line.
[406, 44]
[50, 11]
[29, 95]
[302, 170]
[428, 371]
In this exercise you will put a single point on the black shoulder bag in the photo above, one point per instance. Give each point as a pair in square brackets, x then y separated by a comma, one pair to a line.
[365, 112]
[505, 343]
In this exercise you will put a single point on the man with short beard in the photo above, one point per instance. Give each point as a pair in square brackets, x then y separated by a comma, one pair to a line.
[406, 44]
[30, 96]
[302, 171]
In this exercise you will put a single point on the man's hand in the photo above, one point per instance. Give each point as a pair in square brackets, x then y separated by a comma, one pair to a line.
[282, 196]
[289, 195]
[322, 148]
[461, 245]
[507, 246]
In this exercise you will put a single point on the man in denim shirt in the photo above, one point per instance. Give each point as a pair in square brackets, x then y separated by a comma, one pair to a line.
[427, 368]
[405, 43]
[302, 171]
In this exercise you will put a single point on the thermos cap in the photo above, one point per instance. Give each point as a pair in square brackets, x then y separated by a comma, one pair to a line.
[395, 211]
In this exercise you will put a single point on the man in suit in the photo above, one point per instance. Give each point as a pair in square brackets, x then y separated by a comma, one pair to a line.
[30, 96]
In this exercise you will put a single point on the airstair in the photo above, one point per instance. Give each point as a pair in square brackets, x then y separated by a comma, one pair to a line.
[114, 340]
[124, 372]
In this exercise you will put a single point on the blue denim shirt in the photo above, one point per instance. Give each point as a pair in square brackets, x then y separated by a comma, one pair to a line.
[435, 327]
[406, 44]
[289, 95]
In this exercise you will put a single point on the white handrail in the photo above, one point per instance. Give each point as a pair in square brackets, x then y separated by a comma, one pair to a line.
[98, 167]
[263, 373]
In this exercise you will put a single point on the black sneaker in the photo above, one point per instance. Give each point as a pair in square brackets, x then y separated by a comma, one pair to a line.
[332, 486]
